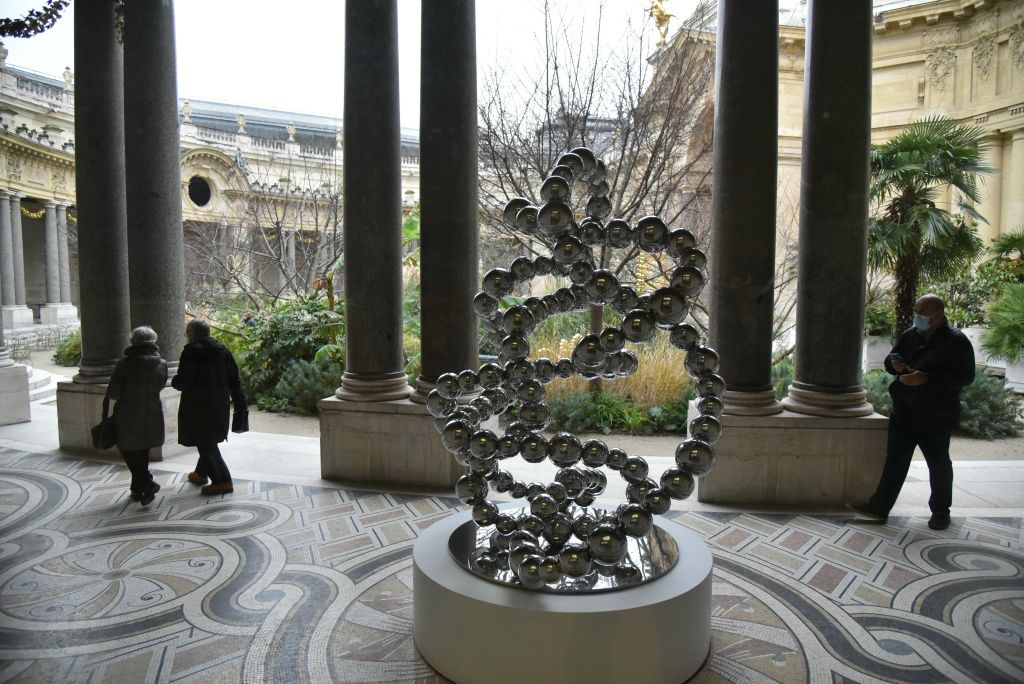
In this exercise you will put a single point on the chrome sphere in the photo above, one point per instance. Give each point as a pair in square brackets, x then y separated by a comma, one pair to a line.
[706, 428]
[575, 560]
[696, 456]
[635, 520]
[485, 514]
[607, 542]
[677, 483]
[635, 469]
[534, 448]
[550, 570]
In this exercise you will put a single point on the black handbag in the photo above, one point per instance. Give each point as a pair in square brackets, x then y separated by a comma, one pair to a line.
[104, 435]
[240, 421]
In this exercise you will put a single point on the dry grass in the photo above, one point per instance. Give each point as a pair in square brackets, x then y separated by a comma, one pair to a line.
[660, 378]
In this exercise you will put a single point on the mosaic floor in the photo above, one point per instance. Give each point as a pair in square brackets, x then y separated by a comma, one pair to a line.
[288, 583]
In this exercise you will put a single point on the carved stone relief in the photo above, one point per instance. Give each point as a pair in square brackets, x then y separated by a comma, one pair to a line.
[59, 178]
[1017, 44]
[942, 38]
[984, 55]
[13, 167]
[938, 68]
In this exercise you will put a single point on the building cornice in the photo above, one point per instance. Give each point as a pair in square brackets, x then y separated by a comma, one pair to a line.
[929, 14]
[34, 150]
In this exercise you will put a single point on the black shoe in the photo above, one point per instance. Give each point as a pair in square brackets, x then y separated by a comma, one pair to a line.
[135, 496]
[150, 494]
[938, 521]
[868, 510]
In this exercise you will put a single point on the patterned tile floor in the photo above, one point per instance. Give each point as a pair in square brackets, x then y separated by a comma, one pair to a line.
[295, 583]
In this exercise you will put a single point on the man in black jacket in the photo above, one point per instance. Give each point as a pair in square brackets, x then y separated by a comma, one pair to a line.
[208, 380]
[932, 363]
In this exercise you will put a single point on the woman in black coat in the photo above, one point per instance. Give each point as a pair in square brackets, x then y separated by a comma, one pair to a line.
[208, 380]
[135, 386]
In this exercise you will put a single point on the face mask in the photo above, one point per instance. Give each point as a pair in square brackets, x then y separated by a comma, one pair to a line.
[921, 322]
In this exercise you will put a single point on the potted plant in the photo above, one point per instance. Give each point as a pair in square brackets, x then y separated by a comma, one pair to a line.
[879, 322]
[1004, 337]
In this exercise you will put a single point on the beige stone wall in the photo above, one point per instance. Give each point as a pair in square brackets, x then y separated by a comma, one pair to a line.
[959, 58]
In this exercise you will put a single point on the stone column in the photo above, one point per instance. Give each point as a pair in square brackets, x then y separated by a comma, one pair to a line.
[833, 211]
[742, 260]
[448, 190]
[99, 188]
[19, 252]
[7, 292]
[372, 206]
[991, 190]
[62, 252]
[1014, 215]
[156, 260]
[51, 253]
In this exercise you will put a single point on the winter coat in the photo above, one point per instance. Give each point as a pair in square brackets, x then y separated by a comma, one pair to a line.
[208, 380]
[135, 385]
[948, 359]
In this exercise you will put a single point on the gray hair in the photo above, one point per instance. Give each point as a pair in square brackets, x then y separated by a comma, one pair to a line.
[143, 335]
[200, 328]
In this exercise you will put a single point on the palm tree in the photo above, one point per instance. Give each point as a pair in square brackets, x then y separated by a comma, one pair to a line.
[909, 235]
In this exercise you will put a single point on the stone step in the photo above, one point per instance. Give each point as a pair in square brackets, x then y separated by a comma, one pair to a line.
[42, 385]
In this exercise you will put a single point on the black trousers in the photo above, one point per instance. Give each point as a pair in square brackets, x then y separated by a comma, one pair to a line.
[211, 464]
[138, 464]
[935, 447]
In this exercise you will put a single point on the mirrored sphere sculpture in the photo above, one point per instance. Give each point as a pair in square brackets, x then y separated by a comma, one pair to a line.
[556, 540]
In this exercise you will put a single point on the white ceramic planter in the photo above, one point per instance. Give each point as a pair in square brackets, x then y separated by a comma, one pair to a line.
[876, 347]
[1015, 377]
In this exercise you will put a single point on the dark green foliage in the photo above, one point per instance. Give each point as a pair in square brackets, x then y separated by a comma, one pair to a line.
[69, 351]
[876, 382]
[1004, 338]
[988, 408]
[968, 292]
[304, 383]
[294, 331]
[782, 376]
[600, 412]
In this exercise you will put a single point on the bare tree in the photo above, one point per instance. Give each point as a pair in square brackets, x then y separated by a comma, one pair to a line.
[648, 118]
[282, 234]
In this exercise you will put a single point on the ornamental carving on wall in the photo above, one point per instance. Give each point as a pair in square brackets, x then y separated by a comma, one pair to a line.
[938, 68]
[942, 38]
[59, 178]
[984, 56]
[13, 167]
[1017, 44]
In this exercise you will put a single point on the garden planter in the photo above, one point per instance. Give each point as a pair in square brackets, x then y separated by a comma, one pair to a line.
[876, 348]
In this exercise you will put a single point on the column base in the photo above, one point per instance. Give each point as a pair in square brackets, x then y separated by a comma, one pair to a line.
[18, 316]
[837, 405]
[420, 390]
[751, 403]
[796, 459]
[80, 406]
[375, 389]
[14, 395]
[383, 443]
[58, 314]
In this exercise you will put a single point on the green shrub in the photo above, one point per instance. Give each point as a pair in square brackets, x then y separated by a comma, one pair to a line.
[782, 376]
[69, 351]
[304, 383]
[1004, 338]
[988, 408]
[295, 331]
[876, 382]
[601, 412]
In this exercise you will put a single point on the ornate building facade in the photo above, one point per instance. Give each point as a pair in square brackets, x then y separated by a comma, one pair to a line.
[260, 196]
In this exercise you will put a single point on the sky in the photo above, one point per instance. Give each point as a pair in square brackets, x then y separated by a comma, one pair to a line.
[289, 56]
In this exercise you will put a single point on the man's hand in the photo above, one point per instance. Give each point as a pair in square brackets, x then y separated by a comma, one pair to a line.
[914, 378]
[897, 363]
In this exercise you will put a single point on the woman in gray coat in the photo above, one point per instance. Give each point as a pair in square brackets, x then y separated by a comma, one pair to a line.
[138, 414]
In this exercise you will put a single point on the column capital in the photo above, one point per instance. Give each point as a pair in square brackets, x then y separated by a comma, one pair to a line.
[48, 203]
[1017, 135]
[15, 195]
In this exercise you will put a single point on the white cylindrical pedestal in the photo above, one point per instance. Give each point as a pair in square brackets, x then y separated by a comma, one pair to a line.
[472, 630]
